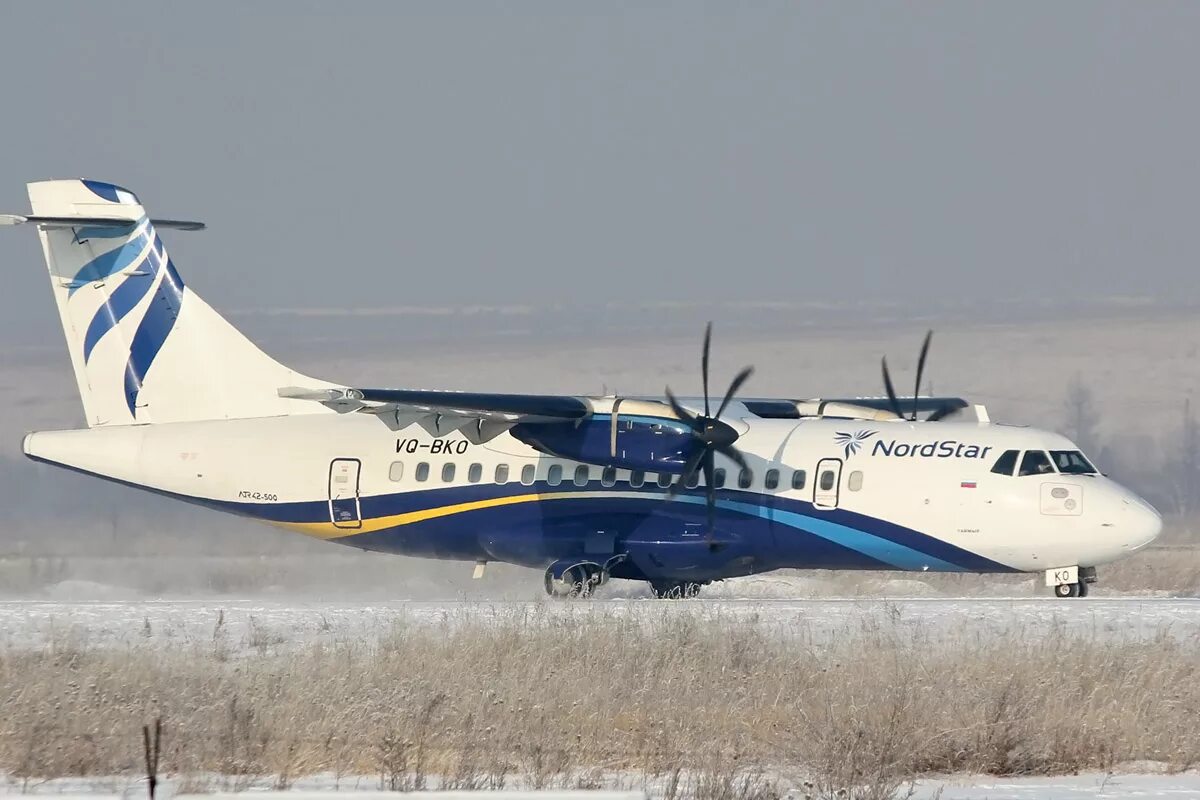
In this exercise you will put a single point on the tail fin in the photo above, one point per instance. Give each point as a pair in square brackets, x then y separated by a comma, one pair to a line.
[145, 347]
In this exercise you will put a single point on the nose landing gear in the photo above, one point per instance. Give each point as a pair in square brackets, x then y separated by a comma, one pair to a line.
[1071, 581]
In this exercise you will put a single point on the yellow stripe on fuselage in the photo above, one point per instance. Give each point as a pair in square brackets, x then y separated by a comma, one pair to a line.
[327, 530]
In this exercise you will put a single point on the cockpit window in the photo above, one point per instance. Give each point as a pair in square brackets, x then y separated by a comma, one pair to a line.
[1035, 462]
[1072, 462]
[1005, 463]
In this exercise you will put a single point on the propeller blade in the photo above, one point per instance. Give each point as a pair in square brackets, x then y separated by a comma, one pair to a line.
[689, 470]
[921, 371]
[710, 496]
[733, 455]
[679, 410]
[612, 436]
[704, 364]
[891, 391]
[741, 378]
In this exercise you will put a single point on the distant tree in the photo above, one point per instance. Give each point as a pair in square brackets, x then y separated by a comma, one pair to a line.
[1183, 467]
[1081, 421]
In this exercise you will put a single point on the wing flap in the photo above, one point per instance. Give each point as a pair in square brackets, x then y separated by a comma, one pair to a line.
[485, 415]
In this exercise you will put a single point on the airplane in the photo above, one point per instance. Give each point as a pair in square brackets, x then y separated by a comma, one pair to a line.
[677, 492]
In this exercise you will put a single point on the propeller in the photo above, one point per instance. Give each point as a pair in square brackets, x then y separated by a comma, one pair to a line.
[713, 435]
[891, 389]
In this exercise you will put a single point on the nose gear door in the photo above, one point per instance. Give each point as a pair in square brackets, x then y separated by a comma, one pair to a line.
[828, 484]
[344, 508]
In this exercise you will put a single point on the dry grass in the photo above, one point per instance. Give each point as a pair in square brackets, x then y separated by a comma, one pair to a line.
[698, 705]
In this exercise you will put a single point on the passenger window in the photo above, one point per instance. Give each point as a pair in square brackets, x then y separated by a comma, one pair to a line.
[745, 478]
[396, 472]
[1005, 463]
[854, 484]
[719, 478]
[637, 478]
[693, 480]
[1035, 462]
[474, 473]
[422, 473]
[502, 473]
[528, 473]
[664, 479]
[798, 479]
[609, 476]
[448, 472]
[827, 480]
[554, 475]
[771, 479]
[581, 475]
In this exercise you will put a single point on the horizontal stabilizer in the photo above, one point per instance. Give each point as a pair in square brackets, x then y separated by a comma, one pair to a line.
[98, 222]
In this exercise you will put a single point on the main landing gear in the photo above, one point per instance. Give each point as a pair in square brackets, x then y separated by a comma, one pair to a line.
[675, 590]
[565, 580]
[1070, 581]
[570, 578]
[577, 581]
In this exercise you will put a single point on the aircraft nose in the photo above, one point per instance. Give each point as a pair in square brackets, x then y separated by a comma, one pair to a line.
[1143, 523]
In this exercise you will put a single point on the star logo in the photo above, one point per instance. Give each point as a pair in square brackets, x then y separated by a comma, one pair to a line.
[851, 442]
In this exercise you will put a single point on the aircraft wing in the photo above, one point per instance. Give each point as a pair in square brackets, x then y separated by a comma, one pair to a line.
[480, 416]
[864, 407]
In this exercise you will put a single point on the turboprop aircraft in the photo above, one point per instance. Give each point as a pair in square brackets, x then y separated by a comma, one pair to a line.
[676, 492]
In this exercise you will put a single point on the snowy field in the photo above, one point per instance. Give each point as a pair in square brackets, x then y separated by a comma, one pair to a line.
[1085, 786]
[259, 624]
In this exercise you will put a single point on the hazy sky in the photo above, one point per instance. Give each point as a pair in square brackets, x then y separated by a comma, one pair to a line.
[393, 154]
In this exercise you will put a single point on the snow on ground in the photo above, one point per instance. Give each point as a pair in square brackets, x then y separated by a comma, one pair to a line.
[258, 623]
[1086, 786]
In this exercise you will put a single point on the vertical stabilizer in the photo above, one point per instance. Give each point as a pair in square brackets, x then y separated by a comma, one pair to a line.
[145, 347]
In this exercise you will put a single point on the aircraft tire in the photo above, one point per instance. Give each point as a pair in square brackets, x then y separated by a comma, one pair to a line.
[577, 582]
[1069, 590]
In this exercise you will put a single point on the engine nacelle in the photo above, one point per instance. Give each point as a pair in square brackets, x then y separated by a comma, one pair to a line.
[652, 444]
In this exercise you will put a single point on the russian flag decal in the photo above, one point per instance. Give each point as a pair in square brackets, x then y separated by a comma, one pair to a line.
[967, 484]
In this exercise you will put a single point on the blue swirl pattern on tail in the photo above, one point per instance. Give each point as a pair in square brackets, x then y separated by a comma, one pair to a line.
[125, 298]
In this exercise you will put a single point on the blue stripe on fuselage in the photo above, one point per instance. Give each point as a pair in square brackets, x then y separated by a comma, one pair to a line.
[884, 544]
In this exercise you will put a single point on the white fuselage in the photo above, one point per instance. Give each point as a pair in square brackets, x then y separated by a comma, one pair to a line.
[903, 495]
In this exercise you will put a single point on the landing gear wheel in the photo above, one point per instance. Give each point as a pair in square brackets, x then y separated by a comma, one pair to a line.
[575, 582]
[676, 590]
[1070, 590]
[1083, 589]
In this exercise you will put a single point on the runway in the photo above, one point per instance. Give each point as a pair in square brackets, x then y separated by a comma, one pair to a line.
[283, 624]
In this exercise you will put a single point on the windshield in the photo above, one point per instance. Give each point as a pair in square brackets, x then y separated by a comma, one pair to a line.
[1035, 462]
[1072, 462]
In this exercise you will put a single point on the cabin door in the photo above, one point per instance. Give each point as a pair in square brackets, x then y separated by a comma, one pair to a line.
[344, 508]
[828, 483]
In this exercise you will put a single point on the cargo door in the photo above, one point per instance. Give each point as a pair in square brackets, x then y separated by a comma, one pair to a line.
[344, 508]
